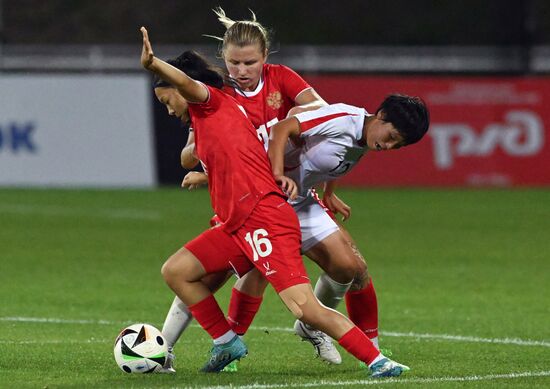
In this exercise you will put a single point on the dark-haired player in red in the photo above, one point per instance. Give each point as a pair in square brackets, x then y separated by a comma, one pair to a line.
[259, 228]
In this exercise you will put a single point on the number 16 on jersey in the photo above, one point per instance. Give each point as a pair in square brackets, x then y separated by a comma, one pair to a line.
[260, 244]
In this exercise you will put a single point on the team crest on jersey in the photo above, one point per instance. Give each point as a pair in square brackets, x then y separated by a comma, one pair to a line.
[275, 100]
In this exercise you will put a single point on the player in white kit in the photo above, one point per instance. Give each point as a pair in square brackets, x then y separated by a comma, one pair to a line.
[332, 139]
[328, 142]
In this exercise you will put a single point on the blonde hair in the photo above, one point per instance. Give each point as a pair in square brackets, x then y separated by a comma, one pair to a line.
[242, 32]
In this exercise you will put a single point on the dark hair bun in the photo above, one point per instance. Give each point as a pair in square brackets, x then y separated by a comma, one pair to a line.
[197, 67]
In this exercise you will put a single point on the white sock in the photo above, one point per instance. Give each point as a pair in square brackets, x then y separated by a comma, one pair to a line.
[375, 342]
[225, 338]
[330, 292]
[177, 320]
[378, 358]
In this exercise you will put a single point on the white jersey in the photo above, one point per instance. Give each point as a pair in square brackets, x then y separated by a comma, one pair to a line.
[331, 147]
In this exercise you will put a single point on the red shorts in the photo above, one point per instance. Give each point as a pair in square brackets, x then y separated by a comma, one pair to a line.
[268, 240]
[217, 251]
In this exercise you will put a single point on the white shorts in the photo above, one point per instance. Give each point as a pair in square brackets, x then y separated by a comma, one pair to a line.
[315, 223]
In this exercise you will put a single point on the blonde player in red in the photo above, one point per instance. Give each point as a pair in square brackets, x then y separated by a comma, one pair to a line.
[259, 228]
[269, 93]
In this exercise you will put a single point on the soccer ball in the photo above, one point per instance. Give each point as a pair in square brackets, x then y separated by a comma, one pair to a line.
[140, 348]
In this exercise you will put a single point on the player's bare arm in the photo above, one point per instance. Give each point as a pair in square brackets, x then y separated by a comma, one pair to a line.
[278, 138]
[193, 180]
[310, 97]
[288, 186]
[190, 89]
[334, 203]
[280, 133]
[308, 100]
[188, 156]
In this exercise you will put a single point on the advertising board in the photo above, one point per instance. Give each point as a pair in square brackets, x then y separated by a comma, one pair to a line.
[76, 130]
[486, 131]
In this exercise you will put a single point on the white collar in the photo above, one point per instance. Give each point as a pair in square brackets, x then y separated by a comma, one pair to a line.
[254, 92]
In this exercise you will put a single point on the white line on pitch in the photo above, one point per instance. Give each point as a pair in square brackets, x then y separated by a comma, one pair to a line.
[473, 339]
[55, 341]
[456, 338]
[58, 321]
[322, 383]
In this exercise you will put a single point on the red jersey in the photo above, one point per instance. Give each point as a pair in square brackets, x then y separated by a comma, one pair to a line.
[272, 99]
[239, 172]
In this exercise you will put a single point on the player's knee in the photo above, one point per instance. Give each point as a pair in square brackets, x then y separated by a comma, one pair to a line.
[360, 281]
[349, 265]
[360, 273]
[174, 268]
[168, 270]
[295, 309]
[295, 301]
[344, 271]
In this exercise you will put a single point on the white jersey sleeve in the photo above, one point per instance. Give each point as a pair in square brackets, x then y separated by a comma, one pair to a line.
[332, 121]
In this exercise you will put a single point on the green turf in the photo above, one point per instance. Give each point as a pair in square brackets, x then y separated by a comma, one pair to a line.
[466, 263]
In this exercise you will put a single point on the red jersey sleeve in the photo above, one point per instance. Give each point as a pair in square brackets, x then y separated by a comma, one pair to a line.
[291, 82]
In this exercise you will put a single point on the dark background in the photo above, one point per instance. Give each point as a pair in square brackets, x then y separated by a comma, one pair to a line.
[446, 23]
[351, 22]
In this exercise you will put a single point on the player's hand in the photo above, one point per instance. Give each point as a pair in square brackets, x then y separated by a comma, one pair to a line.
[193, 180]
[147, 54]
[336, 205]
[288, 186]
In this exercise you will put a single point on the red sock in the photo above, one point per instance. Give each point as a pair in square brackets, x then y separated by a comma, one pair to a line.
[242, 309]
[357, 344]
[210, 316]
[363, 309]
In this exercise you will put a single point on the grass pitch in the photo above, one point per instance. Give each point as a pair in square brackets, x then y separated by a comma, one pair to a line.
[463, 281]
